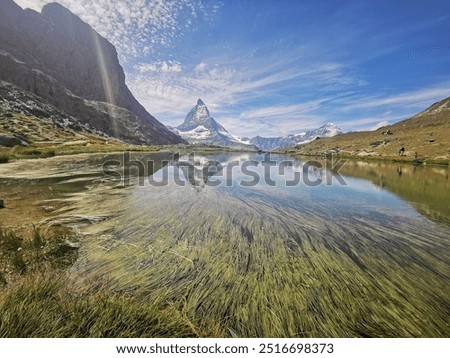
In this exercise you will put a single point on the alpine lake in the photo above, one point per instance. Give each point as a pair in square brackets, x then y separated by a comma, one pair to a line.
[252, 246]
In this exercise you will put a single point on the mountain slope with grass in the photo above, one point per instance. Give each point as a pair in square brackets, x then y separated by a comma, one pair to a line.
[424, 137]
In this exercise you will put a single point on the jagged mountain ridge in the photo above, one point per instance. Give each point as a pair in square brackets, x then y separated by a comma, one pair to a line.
[62, 60]
[271, 143]
[200, 128]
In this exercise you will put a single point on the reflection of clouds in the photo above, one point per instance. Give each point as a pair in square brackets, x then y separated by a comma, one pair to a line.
[193, 175]
[440, 171]
[224, 159]
[263, 172]
[363, 186]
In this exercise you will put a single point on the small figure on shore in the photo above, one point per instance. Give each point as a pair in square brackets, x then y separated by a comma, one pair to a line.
[2, 204]
[401, 151]
[416, 159]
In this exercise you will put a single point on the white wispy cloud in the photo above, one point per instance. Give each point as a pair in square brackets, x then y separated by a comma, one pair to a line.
[371, 112]
[159, 66]
[369, 123]
[379, 125]
[222, 84]
[137, 27]
[281, 111]
[415, 99]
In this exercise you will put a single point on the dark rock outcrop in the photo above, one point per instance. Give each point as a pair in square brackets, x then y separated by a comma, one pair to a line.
[62, 60]
[12, 141]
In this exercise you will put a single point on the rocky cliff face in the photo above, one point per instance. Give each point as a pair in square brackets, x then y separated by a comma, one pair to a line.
[62, 60]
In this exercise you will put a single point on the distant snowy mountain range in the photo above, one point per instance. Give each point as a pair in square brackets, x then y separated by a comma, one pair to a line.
[200, 128]
[271, 143]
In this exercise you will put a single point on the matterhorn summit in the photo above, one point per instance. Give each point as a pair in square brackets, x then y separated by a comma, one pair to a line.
[200, 128]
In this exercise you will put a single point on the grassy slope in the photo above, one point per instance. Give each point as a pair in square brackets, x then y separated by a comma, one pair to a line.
[48, 140]
[427, 133]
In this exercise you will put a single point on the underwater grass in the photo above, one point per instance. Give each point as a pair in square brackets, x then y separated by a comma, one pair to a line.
[268, 273]
[218, 263]
[38, 299]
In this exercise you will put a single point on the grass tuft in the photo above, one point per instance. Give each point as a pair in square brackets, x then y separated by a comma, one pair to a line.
[37, 298]
[34, 252]
[44, 306]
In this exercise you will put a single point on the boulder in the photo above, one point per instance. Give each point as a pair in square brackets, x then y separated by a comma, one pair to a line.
[12, 141]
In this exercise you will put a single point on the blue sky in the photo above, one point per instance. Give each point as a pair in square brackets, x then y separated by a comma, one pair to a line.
[278, 67]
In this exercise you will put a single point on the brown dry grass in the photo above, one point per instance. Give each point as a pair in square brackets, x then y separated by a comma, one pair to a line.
[48, 140]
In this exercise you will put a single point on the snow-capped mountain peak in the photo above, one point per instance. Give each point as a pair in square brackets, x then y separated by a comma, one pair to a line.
[200, 128]
[199, 115]
[327, 130]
